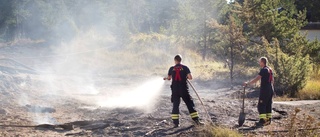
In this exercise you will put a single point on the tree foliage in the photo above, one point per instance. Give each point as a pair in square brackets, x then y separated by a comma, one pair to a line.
[271, 28]
[272, 18]
[290, 71]
[312, 8]
[233, 46]
[68, 17]
[191, 26]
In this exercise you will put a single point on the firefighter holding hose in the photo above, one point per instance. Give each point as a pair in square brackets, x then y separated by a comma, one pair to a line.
[266, 92]
[179, 87]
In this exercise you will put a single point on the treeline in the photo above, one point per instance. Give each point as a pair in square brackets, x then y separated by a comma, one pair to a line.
[37, 19]
[270, 28]
[237, 33]
[62, 19]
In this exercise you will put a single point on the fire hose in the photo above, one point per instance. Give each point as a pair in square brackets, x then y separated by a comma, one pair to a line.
[194, 89]
[204, 107]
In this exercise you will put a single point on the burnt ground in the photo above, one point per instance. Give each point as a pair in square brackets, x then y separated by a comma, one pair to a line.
[29, 109]
[70, 116]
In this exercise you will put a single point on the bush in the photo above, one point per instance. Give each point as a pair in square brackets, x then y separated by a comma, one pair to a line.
[291, 72]
[311, 90]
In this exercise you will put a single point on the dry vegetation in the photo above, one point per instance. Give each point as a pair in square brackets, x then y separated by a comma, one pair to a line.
[298, 124]
[302, 125]
[310, 91]
[216, 131]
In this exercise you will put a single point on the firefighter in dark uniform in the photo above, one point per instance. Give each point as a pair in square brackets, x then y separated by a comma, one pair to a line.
[179, 87]
[266, 92]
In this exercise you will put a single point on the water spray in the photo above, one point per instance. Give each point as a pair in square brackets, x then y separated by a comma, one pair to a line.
[142, 96]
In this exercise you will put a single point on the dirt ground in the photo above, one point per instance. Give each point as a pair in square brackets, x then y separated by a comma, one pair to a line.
[27, 109]
[90, 120]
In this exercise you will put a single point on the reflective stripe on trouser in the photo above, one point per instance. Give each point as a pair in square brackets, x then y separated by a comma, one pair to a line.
[175, 116]
[263, 116]
[194, 115]
[265, 101]
[269, 115]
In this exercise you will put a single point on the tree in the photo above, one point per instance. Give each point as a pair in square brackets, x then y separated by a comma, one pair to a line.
[290, 71]
[276, 24]
[235, 41]
[12, 17]
[61, 20]
[271, 19]
[191, 26]
[312, 7]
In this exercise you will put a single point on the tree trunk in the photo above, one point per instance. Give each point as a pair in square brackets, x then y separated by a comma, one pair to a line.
[204, 53]
[231, 65]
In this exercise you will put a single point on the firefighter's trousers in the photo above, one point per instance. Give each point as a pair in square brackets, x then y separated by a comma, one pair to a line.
[265, 103]
[177, 94]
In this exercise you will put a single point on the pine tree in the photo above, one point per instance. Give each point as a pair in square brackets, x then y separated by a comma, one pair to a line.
[272, 19]
[235, 41]
[191, 27]
[279, 22]
[312, 7]
[291, 72]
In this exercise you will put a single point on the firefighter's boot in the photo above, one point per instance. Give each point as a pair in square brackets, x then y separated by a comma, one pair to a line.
[198, 122]
[262, 122]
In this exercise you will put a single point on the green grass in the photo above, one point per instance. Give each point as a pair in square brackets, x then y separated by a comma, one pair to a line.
[311, 91]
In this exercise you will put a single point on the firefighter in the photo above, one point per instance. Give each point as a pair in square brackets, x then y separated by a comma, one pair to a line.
[266, 92]
[179, 87]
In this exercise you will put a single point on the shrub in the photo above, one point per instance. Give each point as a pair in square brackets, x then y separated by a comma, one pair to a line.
[291, 72]
[311, 90]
